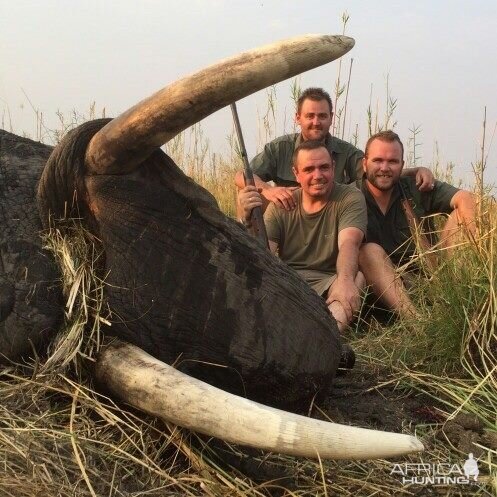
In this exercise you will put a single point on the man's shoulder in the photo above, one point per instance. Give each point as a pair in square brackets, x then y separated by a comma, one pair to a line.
[434, 201]
[342, 147]
[290, 139]
[347, 207]
[342, 191]
[273, 211]
[441, 188]
[274, 162]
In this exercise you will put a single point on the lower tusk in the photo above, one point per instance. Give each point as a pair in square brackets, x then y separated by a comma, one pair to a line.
[158, 389]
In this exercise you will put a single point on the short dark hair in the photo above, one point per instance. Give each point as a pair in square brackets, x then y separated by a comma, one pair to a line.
[388, 136]
[316, 94]
[308, 145]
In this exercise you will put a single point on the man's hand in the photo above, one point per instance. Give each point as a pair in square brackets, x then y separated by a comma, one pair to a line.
[425, 181]
[343, 296]
[281, 196]
[347, 294]
[248, 198]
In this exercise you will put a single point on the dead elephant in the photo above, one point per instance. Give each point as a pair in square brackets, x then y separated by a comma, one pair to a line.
[183, 280]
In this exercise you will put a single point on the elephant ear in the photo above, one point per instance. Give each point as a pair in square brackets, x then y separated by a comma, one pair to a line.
[129, 139]
[62, 191]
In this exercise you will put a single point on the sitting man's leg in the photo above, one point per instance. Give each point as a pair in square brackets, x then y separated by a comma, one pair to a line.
[385, 283]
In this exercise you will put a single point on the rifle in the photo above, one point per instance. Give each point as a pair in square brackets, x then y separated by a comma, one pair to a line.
[258, 228]
[415, 228]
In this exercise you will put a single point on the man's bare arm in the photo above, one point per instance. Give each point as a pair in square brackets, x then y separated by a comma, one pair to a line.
[280, 195]
[344, 289]
[464, 203]
[425, 181]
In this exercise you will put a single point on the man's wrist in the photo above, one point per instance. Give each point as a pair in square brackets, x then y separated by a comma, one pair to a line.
[345, 278]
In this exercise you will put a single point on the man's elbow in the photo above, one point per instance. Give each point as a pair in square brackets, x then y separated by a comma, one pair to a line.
[350, 245]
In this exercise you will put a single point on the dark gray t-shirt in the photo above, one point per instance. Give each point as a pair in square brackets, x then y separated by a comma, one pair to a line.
[309, 242]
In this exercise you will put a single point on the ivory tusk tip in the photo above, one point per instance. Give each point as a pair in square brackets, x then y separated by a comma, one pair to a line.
[347, 40]
[417, 446]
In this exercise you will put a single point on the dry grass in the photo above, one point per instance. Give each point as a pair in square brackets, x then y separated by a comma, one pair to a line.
[61, 437]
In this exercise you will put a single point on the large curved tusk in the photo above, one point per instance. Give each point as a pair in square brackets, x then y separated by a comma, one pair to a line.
[131, 137]
[159, 389]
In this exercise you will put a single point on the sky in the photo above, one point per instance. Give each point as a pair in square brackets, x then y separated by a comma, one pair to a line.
[439, 58]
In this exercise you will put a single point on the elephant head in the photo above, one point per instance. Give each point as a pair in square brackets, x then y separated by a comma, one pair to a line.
[188, 285]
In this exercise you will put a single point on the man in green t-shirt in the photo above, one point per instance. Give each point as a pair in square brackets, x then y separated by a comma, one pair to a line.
[389, 241]
[321, 236]
[314, 115]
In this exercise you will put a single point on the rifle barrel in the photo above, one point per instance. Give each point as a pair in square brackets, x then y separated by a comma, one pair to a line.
[258, 226]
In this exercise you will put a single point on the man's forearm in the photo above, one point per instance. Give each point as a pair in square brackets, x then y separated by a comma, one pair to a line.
[347, 261]
[240, 181]
[410, 171]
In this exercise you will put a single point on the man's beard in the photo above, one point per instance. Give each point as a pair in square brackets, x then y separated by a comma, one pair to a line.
[312, 132]
[376, 181]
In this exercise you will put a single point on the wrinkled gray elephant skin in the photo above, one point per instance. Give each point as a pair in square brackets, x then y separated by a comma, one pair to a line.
[30, 296]
[186, 282]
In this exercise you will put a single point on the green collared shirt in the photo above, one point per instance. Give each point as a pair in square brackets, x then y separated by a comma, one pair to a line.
[274, 163]
[391, 230]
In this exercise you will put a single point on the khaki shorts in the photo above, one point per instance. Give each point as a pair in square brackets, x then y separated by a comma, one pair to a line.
[320, 282]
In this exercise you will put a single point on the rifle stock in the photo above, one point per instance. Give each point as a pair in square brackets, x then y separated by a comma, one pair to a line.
[258, 227]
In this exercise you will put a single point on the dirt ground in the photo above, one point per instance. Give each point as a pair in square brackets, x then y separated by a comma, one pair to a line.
[367, 398]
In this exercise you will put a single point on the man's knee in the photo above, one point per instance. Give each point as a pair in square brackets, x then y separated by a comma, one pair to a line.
[451, 233]
[371, 253]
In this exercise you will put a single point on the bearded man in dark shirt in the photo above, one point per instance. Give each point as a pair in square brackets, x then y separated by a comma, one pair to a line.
[389, 239]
